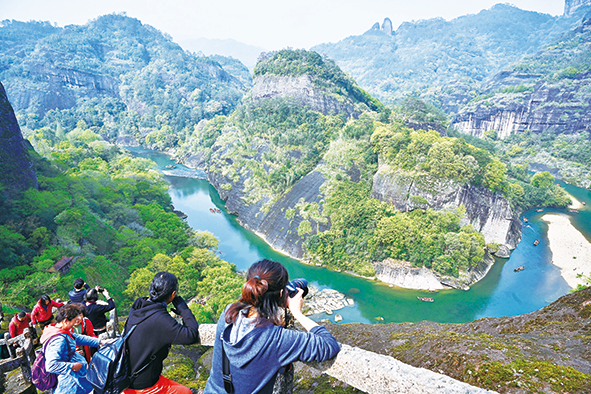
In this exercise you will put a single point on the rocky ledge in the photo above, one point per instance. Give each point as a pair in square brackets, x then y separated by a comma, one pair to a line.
[403, 274]
[325, 301]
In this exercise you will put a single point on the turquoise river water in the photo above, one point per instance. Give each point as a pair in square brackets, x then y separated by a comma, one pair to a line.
[502, 292]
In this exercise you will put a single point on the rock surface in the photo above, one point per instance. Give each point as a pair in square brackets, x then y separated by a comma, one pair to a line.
[403, 274]
[18, 173]
[543, 351]
[301, 90]
[490, 213]
[325, 300]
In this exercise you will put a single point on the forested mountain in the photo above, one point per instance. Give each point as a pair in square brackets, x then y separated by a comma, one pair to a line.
[324, 171]
[538, 110]
[121, 77]
[444, 61]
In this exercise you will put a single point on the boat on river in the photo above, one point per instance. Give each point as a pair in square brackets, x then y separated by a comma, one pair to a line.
[426, 299]
[525, 220]
[170, 167]
[573, 210]
[536, 242]
[520, 268]
[540, 210]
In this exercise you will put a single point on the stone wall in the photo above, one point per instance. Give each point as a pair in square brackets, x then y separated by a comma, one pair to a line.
[376, 373]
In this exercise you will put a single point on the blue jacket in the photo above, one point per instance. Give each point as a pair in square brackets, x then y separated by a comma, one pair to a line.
[57, 361]
[257, 356]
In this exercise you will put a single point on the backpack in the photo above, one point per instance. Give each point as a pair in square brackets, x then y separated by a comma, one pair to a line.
[110, 369]
[42, 379]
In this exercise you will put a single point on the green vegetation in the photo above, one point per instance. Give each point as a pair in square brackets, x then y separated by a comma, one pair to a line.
[325, 74]
[444, 61]
[114, 212]
[130, 80]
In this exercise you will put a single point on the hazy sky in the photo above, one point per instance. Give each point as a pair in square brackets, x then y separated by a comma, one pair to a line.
[270, 24]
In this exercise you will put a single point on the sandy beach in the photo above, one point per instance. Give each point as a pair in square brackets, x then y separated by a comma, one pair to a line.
[576, 204]
[570, 249]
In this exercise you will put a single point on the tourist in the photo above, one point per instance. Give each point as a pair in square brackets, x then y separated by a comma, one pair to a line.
[61, 357]
[155, 331]
[42, 313]
[254, 339]
[96, 311]
[19, 322]
[85, 328]
[80, 288]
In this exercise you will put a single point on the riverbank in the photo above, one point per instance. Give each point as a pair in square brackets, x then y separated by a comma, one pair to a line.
[571, 251]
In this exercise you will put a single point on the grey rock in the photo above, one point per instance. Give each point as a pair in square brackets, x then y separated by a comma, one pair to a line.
[302, 91]
[503, 252]
[18, 173]
[490, 213]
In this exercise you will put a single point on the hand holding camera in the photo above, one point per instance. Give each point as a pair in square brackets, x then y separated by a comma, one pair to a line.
[297, 289]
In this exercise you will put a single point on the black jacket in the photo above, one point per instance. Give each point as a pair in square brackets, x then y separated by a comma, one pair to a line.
[156, 330]
[96, 313]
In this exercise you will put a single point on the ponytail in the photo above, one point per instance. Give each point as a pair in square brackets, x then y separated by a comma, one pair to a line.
[265, 280]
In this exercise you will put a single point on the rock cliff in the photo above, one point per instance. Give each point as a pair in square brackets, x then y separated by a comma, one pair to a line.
[403, 274]
[270, 219]
[18, 172]
[544, 92]
[490, 213]
[302, 91]
[570, 6]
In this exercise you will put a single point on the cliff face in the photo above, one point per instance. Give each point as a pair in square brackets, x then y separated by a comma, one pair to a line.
[56, 87]
[551, 106]
[302, 91]
[570, 6]
[547, 91]
[269, 219]
[490, 213]
[17, 167]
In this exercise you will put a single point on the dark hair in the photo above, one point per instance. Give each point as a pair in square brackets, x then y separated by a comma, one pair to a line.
[45, 298]
[91, 295]
[21, 314]
[162, 286]
[79, 283]
[68, 312]
[264, 281]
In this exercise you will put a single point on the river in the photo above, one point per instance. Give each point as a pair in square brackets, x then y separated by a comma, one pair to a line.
[502, 292]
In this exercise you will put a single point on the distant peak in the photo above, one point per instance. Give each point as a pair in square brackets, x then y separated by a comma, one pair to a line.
[570, 6]
[386, 26]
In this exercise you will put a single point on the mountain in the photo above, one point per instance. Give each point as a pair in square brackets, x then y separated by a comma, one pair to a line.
[323, 171]
[247, 54]
[18, 173]
[444, 60]
[542, 103]
[118, 75]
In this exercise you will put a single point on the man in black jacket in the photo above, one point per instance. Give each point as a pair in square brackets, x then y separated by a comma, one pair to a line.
[80, 287]
[155, 331]
[96, 311]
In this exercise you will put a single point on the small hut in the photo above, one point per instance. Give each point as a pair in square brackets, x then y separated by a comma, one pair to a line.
[63, 266]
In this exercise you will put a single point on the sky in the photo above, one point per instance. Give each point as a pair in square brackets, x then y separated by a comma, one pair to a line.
[269, 24]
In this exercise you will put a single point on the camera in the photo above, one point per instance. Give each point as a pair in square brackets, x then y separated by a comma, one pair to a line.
[100, 289]
[293, 286]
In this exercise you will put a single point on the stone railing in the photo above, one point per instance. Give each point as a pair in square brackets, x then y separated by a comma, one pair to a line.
[22, 355]
[372, 373]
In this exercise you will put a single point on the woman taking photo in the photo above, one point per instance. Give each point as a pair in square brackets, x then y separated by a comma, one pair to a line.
[253, 338]
[61, 356]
